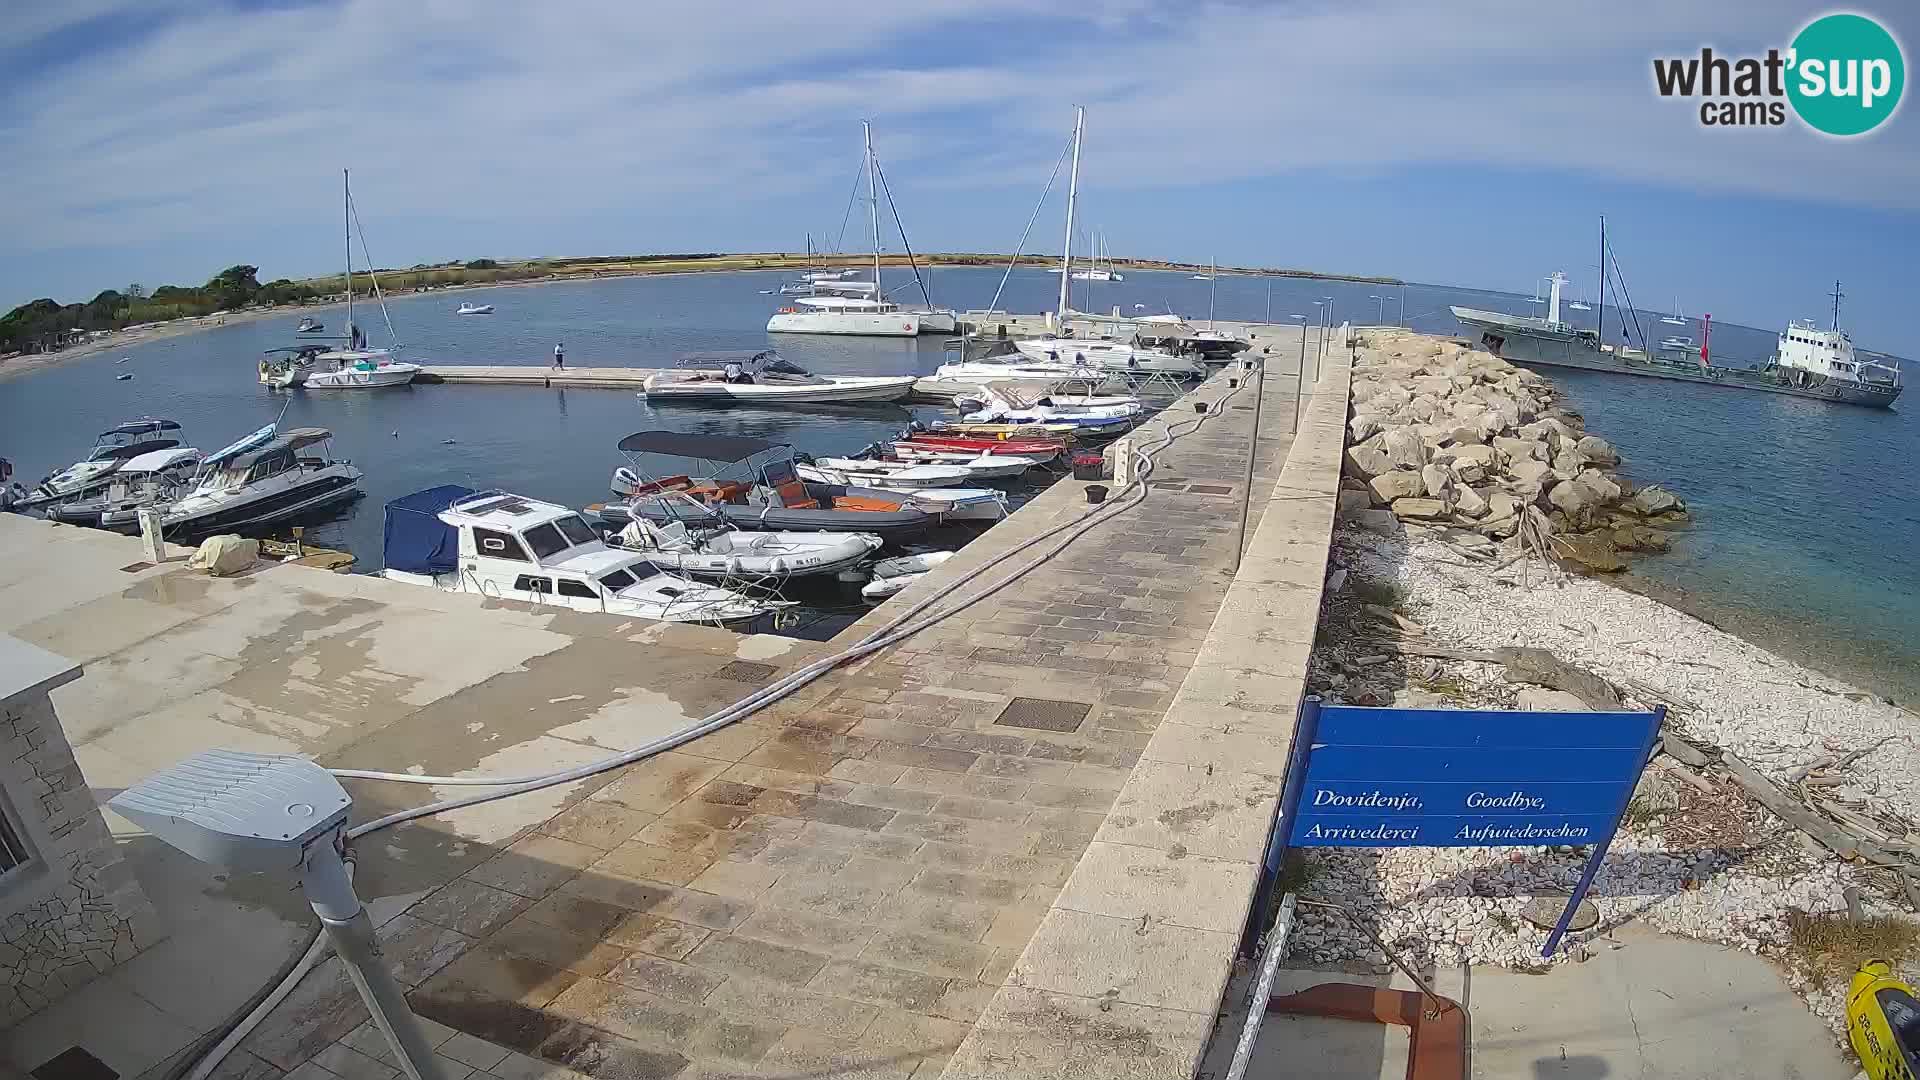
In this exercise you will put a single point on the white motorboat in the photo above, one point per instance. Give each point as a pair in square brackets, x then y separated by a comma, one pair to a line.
[796, 288]
[506, 547]
[264, 485]
[1682, 344]
[1001, 406]
[979, 465]
[309, 325]
[474, 309]
[112, 449]
[1203, 277]
[1113, 356]
[153, 478]
[703, 547]
[890, 576]
[897, 475]
[764, 377]
[961, 504]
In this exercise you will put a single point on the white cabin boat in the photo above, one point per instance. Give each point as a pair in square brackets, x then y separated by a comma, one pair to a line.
[112, 449]
[151, 479]
[852, 315]
[265, 485]
[764, 377]
[506, 547]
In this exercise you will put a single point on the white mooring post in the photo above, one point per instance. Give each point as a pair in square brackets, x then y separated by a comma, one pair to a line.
[154, 544]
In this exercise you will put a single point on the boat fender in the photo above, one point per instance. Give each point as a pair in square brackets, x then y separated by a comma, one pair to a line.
[778, 565]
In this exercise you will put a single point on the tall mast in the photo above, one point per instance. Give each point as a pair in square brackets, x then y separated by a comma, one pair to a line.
[1600, 298]
[346, 212]
[1837, 294]
[1073, 193]
[1213, 271]
[873, 208]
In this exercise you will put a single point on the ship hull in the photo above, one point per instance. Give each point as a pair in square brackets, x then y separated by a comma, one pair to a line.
[1527, 345]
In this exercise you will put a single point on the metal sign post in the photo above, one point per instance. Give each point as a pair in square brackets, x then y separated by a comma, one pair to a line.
[1362, 777]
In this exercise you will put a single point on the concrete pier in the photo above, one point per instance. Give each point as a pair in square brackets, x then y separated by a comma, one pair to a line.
[600, 378]
[1013, 841]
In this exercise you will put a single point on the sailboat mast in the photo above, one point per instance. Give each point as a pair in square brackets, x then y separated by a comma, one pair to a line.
[873, 208]
[1213, 271]
[346, 212]
[1600, 297]
[1073, 193]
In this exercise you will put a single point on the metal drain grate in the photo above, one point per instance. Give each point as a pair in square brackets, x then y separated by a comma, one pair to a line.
[136, 567]
[1208, 489]
[73, 1063]
[745, 671]
[1044, 714]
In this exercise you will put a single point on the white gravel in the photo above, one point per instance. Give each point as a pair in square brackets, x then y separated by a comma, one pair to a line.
[1462, 905]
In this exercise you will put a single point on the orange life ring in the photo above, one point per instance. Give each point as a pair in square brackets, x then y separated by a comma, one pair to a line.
[789, 311]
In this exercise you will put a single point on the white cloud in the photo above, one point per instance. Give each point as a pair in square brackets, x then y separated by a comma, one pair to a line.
[461, 111]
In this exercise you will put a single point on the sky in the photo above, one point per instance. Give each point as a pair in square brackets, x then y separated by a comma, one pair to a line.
[1471, 143]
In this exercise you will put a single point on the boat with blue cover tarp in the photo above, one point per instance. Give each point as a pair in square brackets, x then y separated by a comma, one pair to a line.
[508, 547]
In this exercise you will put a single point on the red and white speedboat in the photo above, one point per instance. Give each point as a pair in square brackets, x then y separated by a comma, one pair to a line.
[1044, 449]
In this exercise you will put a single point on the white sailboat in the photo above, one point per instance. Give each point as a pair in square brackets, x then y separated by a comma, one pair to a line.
[355, 367]
[830, 311]
[1678, 318]
[1101, 269]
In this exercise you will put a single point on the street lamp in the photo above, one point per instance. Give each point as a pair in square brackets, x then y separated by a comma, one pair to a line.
[1269, 300]
[1380, 310]
[1300, 372]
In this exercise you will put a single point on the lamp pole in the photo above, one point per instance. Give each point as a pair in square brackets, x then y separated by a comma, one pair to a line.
[1300, 373]
[1380, 310]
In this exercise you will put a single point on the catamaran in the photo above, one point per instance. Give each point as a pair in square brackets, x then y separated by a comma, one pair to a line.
[868, 313]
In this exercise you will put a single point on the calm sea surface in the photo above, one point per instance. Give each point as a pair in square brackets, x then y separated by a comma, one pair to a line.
[1806, 514]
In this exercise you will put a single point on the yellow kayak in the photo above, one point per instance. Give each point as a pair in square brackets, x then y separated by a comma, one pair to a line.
[1883, 1023]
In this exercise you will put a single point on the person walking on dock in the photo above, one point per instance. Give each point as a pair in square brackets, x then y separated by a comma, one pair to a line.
[559, 357]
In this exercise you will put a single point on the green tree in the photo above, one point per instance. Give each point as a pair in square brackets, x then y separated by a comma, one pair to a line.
[483, 264]
[233, 287]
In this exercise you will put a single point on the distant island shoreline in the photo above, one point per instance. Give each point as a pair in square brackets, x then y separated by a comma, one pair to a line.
[56, 343]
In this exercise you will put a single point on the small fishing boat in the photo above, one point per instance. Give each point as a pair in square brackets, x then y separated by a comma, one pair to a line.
[309, 325]
[753, 484]
[980, 465]
[763, 376]
[503, 546]
[704, 547]
[112, 449]
[1085, 414]
[891, 576]
[274, 481]
[148, 480]
[898, 475]
[961, 504]
[124, 360]
[1042, 449]
[474, 309]
[123, 378]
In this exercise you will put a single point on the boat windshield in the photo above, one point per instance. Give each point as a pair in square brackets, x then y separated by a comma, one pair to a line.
[575, 530]
[617, 580]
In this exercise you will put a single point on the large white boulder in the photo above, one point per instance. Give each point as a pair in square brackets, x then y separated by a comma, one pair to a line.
[1439, 482]
[1596, 449]
[1404, 448]
[1398, 484]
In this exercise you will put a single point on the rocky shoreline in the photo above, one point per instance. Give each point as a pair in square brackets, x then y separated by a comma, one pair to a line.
[1784, 796]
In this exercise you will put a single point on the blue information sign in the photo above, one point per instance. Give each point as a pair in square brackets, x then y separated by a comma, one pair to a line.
[1363, 777]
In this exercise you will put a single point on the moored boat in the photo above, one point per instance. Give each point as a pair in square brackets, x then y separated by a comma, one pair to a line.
[474, 309]
[112, 449]
[503, 546]
[763, 377]
[151, 479]
[706, 547]
[276, 481]
[753, 484]
[891, 576]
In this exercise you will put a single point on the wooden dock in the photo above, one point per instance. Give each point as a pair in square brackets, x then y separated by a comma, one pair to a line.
[596, 378]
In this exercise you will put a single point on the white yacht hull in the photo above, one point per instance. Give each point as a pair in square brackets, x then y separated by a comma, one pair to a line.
[840, 388]
[276, 498]
[352, 379]
[856, 323]
[937, 322]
